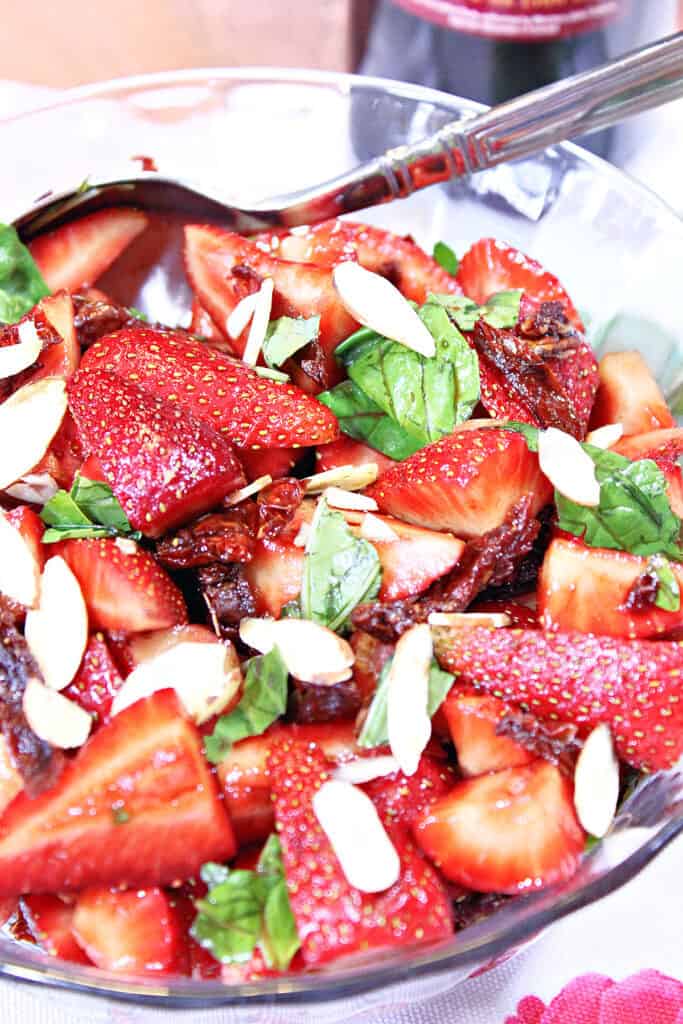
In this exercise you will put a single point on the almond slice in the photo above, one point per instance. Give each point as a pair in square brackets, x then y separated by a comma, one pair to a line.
[259, 322]
[596, 782]
[35, 488]
[54, 718]
[378, 304]
[240, 316]
[15, 358]
[365, 769]
[365, 853]
[303, 535]
[57, 631]
[373, 528]
[351, 478]
[408, 721]
[337, 497]
[246, 492]
[205, 676]
[19, 570]
[605, 437]
[29, 419]
[311, 652]
[458, 620]
[568, 467]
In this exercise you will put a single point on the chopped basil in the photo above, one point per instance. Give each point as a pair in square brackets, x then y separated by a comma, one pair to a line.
[264, 699]
[360, 418]
[89, 509]
[375, 731]
[668, 596]
[280, 939]
[21, 283]
[340, 570]
[500, 310]
[287, 335]
[138, 314]
[445, 257]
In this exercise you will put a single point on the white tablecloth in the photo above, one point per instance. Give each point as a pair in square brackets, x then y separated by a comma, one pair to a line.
[638, 927]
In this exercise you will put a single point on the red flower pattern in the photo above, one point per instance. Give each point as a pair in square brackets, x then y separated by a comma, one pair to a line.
[645, 998]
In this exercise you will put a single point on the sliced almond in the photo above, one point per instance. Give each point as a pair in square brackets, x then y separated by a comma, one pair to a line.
[54, 718]
[605, 437]
[569, 468]
[205, 676]
[337, 497]
[303, 535]
[351, 478]
[376, 303]
[246, 492]
[596, 782]
[35, 488]
[240, 316]
[365, 769]
[408, 721]
[311, 652]
[463, 620]
[144, 646]
[57, 630]
[259, 322]
[15, 358]
[29, 419]
[365, 853]
[19, 570]
[373, 528]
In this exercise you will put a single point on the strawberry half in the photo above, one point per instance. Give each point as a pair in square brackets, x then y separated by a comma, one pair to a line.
[399, 798]
[135, 931]
[508, 831]
[629, 394]
[227, 395]
[137, 806]
[466, 483]
[50, 921]
[77, 254]
[273, 462]
[664, 447]
[224, 267]
[164, 465]
[333, 918]
[473, 720]
[122, 584]
[633, 686]
[97, 681]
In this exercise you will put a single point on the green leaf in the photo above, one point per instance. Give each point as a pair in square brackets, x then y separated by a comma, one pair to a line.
[668, 594]
[340, 570]
[97, 500]
[529, 432]
[375, 731]
[280, 939]
[287, 335]
[501, 310]
[21, 283]
[138, 314]
[445, 257]
[264, 699]
[229, 919]
[291, 610]
[268, 374]
[89, 509]
[360, 418]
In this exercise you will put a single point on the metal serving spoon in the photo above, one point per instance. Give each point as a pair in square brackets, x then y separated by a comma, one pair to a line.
[575, 106]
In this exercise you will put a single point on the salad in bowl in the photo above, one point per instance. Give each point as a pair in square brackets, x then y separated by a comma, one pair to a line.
[333, 620]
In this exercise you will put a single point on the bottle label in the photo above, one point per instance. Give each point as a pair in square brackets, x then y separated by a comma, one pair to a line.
[517, 19]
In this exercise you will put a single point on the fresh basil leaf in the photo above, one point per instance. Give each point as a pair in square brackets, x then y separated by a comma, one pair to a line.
[212, 873]
[61, 509]
[360, 418]
[500, 310]
[446, 258]
[463, 312]
[291, 610]
[98, 502]
[229, 919]
[89, 509]
[280, 939]
[355, 344]
[270, 858]
[287, 335]
[21, 283]
[138, 314]
[375, 731]
[668, 595]
[530, 433]
[340, 570]
[264, 699]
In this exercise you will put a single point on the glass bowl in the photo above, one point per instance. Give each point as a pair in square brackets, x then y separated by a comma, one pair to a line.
[619, 251]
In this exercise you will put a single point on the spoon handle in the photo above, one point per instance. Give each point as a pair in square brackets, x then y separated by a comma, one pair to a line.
[584, 103]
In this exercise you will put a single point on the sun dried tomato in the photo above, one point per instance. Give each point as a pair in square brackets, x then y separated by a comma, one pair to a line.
[223, 537]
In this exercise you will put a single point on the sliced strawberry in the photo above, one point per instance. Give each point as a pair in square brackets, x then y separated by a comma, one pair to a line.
[65, 456]
[467, 482]
[509, 831]
[194, 960]
[664, 447]
[491, 266]
[400, 798]
[275, 572]
[123, 586]
[164, 465]
[245, 778]
[97, 681]
[521, 617]
[50, 921]
[333, 918]
[249, 410]
[61, 358]
[137, 806]
[224, 267]
[203, 326]
[398, 258]
[275, 462]
[31, 527]
[629, 394]
[633, 685]
[347, 452]
[136, 931]
[77, 254]
[10, 780]
[473, 721]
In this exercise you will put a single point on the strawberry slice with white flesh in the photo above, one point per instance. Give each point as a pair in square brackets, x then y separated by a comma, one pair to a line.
[50, 922]
[473, 720]
[629, 394]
